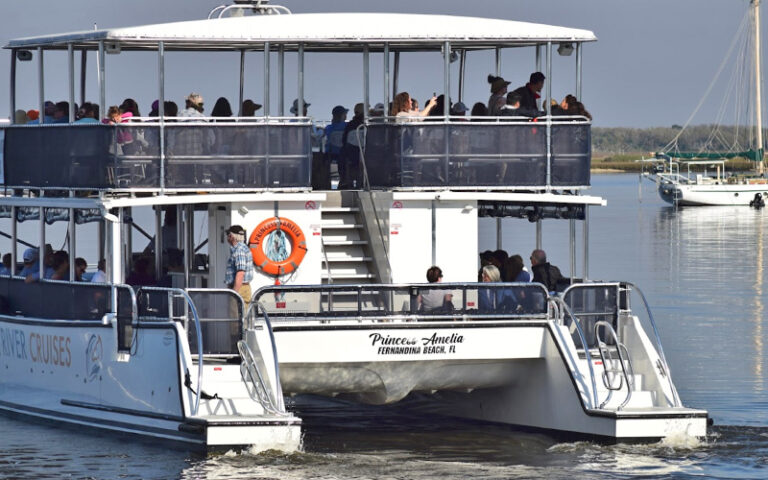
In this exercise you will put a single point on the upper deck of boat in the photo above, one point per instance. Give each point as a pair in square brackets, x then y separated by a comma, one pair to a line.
[274, 152]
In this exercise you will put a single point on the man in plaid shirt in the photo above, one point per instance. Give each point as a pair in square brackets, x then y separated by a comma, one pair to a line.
[239, 265]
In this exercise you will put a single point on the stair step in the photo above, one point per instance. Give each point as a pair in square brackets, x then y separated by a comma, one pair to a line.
[340, 210]
[340, 226]
[341, 243]
[347, 276]
[347, 259]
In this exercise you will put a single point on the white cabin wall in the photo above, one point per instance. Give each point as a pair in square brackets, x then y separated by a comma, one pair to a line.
[250, 214]
[410, 240]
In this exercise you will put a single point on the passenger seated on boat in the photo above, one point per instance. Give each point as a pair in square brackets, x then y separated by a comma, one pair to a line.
[543, 272]
[31, 269]
[377, 110]
[401, 108]
[529, 93]
[88, 113]
[100, 276]
[249, 108]
[61, 112]
[5, 268]
[435, 301]
[458, 109]
[514, 299]
[80, 267]
[489, 299]
[570, 106]
[129, 105]
[141, 275]
[513, 108]
[498, 91]
[479, 110]
[60, 266]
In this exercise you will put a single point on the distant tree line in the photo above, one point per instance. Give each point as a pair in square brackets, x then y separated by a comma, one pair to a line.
[617, 140]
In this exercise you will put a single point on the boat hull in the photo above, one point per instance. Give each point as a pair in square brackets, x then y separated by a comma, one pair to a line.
[714, 195]
[72, 372]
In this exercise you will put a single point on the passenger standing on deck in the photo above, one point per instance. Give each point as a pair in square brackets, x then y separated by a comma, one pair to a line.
[543, 272]
[350, 151]
[239, 265]
[334, 133]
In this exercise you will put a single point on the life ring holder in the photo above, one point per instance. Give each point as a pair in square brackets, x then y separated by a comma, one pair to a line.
[295, 236]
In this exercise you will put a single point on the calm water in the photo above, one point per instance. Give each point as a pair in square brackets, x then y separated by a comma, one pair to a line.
[700, 268]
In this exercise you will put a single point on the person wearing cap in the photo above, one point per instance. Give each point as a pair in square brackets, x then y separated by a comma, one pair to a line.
[295, 108]
[530, 92]
[239, 273]
[377, 110]
[249, 108]
[31, 269]
[458, 109]
[498, 95]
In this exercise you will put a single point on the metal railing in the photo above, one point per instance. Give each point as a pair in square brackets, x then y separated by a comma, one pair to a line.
[170, 295]
[608, 364]
[273, 400]
[562, 310]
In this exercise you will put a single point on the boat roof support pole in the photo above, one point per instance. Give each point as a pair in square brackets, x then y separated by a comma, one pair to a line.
[462, 66]
[498, 233]
[446, 88]
[281, 80]
[548, 109]
[71, 96]
[395, 74]
[41, 84]
[300, 61]
[41, 245]
[161, 108]
[538, 234]
[189, 218]
[242, 84]
[538, 57]
[578, 71]
[13, 86]
[572, 246]
[14, 239]
[498, 61]
[386, 79]
[83, 74]
[585, 273]
[102, 80]
[102, 234]
[72, 232]
[128, 237]
[434, 232]
[158, 241]
[366, 81]
[266, 79]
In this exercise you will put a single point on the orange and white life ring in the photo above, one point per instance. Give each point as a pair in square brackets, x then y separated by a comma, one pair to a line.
[295, 236]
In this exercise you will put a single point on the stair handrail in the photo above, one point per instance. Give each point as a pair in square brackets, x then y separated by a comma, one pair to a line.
[562, 308]
[659, 348]
[367, 188]
[279, 402]
[193, 310]
[250, 372]
[622, 361]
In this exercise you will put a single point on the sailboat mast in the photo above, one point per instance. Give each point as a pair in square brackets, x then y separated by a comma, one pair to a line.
[758, 93]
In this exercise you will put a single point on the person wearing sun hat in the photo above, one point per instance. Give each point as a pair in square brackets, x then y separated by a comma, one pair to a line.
[498, 95]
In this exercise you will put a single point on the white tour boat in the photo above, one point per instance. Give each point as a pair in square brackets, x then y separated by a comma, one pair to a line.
[339, 274]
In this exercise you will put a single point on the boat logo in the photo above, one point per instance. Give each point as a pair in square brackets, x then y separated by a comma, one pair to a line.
[93, 355]
[310, 205]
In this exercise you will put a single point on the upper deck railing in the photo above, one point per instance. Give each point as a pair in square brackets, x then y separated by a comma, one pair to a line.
[276, 154]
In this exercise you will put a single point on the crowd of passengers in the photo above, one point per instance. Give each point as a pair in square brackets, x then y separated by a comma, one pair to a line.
[498, 266]
[55, 267]
[339, 141]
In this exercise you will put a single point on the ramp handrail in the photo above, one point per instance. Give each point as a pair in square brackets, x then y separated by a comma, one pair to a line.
[659, 349]
[603, 348]
[562, 307]
[181, 293]
[260, 392]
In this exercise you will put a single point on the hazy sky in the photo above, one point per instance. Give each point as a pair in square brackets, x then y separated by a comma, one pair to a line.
[651, 64]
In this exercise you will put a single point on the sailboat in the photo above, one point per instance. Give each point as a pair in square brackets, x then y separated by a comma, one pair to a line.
[700, 178]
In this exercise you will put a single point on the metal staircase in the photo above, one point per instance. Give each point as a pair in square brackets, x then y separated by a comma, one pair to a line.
[347, 255]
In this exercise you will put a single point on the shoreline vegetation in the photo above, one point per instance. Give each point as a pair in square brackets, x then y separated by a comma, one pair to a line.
[618, 149]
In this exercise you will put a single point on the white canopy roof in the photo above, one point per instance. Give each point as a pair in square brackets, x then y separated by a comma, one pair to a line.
[320, 31]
